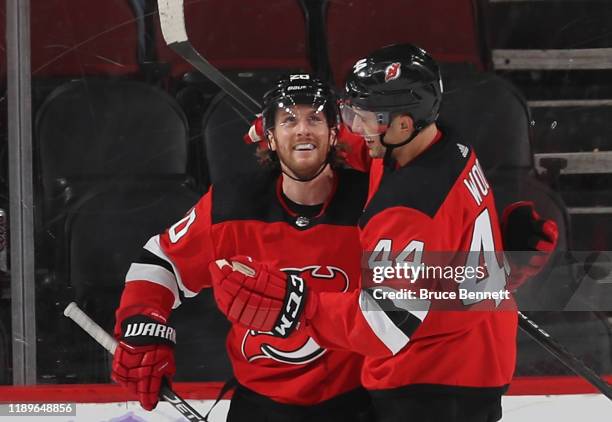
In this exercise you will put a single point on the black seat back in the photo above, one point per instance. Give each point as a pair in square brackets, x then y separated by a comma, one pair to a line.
[225, 152]
[90, 131]
[105, 232]
[492, 116]
[112, 157]
[111, 128]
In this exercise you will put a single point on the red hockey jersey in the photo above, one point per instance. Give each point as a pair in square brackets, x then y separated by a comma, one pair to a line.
[439, 202]
[248, 217]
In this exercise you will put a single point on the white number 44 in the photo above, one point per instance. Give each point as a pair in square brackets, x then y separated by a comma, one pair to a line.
[482, 249]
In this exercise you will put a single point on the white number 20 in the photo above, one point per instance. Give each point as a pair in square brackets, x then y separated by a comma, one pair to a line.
[185, 222]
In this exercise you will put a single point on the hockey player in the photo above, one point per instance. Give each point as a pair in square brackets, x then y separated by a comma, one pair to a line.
[421, 364]
[301, 219]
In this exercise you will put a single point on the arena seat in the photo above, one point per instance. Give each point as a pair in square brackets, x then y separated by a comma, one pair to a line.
[104, 233]
[107, 227]
[90, 130]
[112, 158]
[490, 113]
[112, 127]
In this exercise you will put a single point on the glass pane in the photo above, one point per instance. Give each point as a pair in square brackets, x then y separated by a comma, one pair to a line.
[127, 136]
[568, 91]
[118, 156]
[5, 286]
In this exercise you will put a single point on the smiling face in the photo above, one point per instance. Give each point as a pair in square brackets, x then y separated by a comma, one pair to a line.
[368, 125]
[302, 139]
[373, 125]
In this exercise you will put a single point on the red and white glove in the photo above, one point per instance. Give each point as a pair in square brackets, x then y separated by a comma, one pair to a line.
[256, 135]
[144, 356]
[259, 297]
[536, 238]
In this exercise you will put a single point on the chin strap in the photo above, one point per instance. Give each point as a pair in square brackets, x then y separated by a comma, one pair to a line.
[308, 179]
[414, 134]
[388, 160]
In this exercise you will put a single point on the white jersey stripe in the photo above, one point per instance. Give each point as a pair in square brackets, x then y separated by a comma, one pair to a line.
[420, 314]
[387, 332]
[154, 274]
[154, 247]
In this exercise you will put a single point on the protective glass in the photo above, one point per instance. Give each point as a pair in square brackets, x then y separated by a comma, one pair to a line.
[364, 122]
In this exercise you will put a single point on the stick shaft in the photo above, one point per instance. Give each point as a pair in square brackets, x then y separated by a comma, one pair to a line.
[563, 355]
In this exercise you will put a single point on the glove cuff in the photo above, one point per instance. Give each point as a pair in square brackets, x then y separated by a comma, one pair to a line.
[141, 330]
[512, 207]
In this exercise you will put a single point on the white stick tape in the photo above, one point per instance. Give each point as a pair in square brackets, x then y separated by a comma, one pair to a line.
[73, 312]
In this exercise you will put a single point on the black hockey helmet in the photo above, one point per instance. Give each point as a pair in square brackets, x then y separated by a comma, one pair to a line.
[400, 78]
[295, 89]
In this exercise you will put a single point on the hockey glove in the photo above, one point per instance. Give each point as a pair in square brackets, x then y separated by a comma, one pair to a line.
[258, 297]
[256, 135]
[524, 230]
[144, 356]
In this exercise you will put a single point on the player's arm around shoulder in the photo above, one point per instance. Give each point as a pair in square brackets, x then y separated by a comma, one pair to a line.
[374, 321]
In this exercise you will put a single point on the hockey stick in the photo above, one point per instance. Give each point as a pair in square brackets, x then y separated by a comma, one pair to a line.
[73, 312]
[172, 20]
[563, 355]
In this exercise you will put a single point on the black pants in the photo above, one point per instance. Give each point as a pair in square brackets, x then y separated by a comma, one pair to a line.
[436, 407]
[248, 406]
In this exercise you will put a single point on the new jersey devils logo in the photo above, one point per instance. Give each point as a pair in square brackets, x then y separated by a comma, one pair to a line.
[299, 348]
[393, 71]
